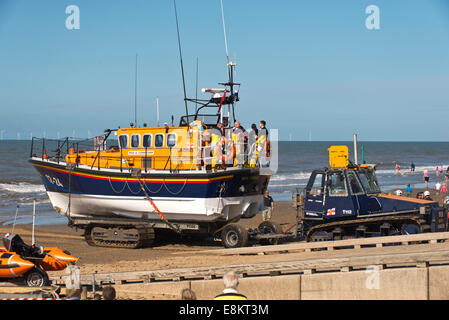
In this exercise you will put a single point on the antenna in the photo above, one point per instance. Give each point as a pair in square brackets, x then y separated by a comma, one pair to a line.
[34, 214]
[196, 90]
[157, 110]
[15, 219]
[224, 31]
[180, 58]
[230, 68]
[135, 95]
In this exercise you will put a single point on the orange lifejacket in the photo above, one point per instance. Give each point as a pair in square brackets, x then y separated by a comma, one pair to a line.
[229, 145]
[267, 149]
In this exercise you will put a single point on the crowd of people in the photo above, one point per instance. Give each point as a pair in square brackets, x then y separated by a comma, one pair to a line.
[250, 147]
[440, 188]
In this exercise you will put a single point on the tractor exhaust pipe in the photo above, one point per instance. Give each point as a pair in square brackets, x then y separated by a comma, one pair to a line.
[355, 149]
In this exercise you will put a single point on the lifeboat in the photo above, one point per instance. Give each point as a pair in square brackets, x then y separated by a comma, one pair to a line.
[200, 174]
[30, 263]
[12, 265]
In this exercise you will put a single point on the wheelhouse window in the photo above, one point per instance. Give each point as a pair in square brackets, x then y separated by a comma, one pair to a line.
[356, 187]
[159, 140]
[123, 141]
[171, 140]
[146, 141]
[135, 141]
[336, 184]
[317, 187]
[369, 181]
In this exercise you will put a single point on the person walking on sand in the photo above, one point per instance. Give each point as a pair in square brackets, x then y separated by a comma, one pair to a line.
[231, 282]
[426, 178]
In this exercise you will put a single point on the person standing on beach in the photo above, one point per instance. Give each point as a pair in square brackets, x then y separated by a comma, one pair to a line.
[398, 169]
[408, 190]
[412, 167]
[269, 206]
[443, 189]
[426, 178]
[437, 187]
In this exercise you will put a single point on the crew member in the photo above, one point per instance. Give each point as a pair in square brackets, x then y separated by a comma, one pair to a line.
[252, 145]
[262, 142]
[216, 135]
[238, 138]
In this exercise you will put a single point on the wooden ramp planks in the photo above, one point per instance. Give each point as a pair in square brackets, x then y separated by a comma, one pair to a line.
[438, 255]
[331, 245]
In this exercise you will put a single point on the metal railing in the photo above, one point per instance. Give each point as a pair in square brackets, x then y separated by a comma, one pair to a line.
[86, 152]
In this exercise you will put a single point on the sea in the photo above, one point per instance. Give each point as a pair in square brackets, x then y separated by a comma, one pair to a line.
[21, 186]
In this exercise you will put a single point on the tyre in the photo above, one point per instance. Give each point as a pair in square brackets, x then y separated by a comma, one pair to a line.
[36, 278]
[268, 227]
[234, 236]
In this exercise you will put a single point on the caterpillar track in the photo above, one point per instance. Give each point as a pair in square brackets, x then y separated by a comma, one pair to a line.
[365, 227]
[119, 236]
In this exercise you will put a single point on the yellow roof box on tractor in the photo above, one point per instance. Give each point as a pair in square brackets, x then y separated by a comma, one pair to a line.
[338, 156]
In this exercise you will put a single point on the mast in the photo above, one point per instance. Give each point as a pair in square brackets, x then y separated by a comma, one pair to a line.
[135, 95]
[180, 58]
[157, 110]
[196, 88]
[230, 70]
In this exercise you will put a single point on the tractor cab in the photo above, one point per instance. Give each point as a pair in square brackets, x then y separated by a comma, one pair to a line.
[347, 198]
[343, 190]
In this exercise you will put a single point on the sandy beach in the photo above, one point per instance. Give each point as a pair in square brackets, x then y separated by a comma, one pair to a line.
[166, 253]
[173, 252]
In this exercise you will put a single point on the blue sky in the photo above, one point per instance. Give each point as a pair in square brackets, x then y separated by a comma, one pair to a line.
[306, 67]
